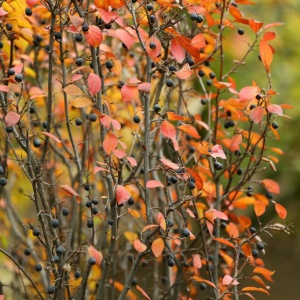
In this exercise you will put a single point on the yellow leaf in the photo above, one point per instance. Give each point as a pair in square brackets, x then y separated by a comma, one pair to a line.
[130, 236]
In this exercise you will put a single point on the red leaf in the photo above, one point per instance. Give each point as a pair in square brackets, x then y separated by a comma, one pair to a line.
[153, 184]
[145, 87]
[177, 50]
[198, 41]
[143, 292]
[184, 73]
[153, 53]
[76, 21]
[129, 93]
[266, 54]
[69, 190]
[228, 280]
[168, 130]
[125, 37]
[11, 119]
[169, 164]
[158, 247]
[248, 93]
[94, 84]
[197, 261]
[52, 136]
[275, 109]
[190, 130]
[93, 36]
[225, 242]
[139, 246]
[96, 254]
[110, 142]
[271, 186]
[217, 151]
[268, 36]
[122, 195]
[259, 207]
[281, 211]
[257, 114]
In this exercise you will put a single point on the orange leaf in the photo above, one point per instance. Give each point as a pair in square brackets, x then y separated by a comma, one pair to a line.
[184, 73]
[94, 84]
[96, 254]
[52, 136]
[134, 213]
[225, 242]
[232, 230]
[255, 25]
[153, 184]
[235, 142]
[129, 93]
[190, 130]
[198, 41]
[266, 54]
[153, 47]
[174, 117]
[70, 190]
[271, 186]
[81, 102]
[161, 221]
[198, 279]
[264, 272]
[281, 211]
[110, 142]
[73, 89]
[139, 246]
[158, 247]
[93, 36]
[259, 208]
[168, 130]
[143, 292]
[122, 195]
[149, 227]
[11, 119]
[254, 289]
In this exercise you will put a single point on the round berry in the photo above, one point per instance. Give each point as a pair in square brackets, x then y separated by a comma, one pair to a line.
[130, 201]
[199, 19]
[9, 129]
[149, 7]
[77, 274]
[192, 149]
[19, 77]
[79, 62]
[157, 107]
[107, 26]
[202, 285]
[93, 117]
[47, 48]
[88, 204]
[91, 261]
[94, 210]
[136, 119]
[1, 45]
[171, 262]
[110, 222]
[78, 37]
[45, 124]
[86, 187]
[56, 259]
[204, 101]
[57, 35]
[275, 125]
[8, 27]
[27, 251]
[172, 68]
[65, 211]
[185, 232]
[31, 110]
[201, 73]
[218, 165]
[50, 289]
[212, 75]
[152, 45]
[60, 250]
[85, 27]
[190, 61]
[191, 185]
[170, 223]
[152, 18]
[35, 231]
[95, 201]
[173, 179]
[37, 143]
[258, 96]
[109, 64]
[90, 223]
[193, 17]
[38, 38]
[208, 82]
[240, 31]
[78, 122]
[38, 267]
[169, 82]
[269, 195]
[54, 223]
[3, 181]
[255, 253]
[252, 229]
[239, 171]
[10, 72]
[134, 281]
[260, 246]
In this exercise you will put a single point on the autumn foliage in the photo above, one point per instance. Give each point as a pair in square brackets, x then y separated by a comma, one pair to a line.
[132, 158]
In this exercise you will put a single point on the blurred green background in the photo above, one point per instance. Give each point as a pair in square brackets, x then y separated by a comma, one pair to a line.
[282, 252]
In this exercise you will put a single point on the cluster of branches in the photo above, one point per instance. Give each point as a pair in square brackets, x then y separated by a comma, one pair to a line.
[125, 133]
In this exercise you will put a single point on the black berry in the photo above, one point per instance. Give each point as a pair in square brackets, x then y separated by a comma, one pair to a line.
[3, 181]
[38, 267]
[91, 261]
[60, 250]
[171, 262]
[79, 62]
[191, 185]
[78, 37]
[136, 119]
[252, 229]
[152, 45]
[85, 27]
[275, 125]
[57, 35]
[37, 143]
[190, 61]
[193, 17]
[173, 179]
[109, 64]
[93, 117]
[54, 223]
[19, 77]
[170, 223]
[240, 31]
[255, 253]
[94, 210]
[8, 27]
[239, 171]
[199, 19]
[90, 223]
[78, 122]
[35, 231]
[260, 246]
[110, 222]
[169, 82]
[185, 232]
[172, 68]
[88, 204]
[212, 75]
[157, 107]
[130, 201]
[27, 251]
[45, 124]
[201, 73]
[50, 289]
[218, 165]
[77, 274]
[65, 211]
[10, 72]
[149, 7]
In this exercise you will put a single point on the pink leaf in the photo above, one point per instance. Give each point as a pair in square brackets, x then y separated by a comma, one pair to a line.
[122, 195]
[158, 247]
[177, 50]
[76, 77]
[129, 93]
[153, 184]
[97, 169]
[217, 151]
[93, 36]
[143, 292]
[139, 246]
[3, 12]
[275, 109]
[119, 153]
[168, 130]
[169, 164]
[110, 143]
[197, 261]
[125, 38]
[52, 136]
[248, 93]
[18, 68]
[4, 88]
[257, 114]
[150, 44]
[76, 21]
[69, 190]
[94, 84]
[228, 280]
[105, 120]
[96, 254]
[235, 142]
[116, 124]
[198, 41]
[145, 87]
[161, 220]
[11, 119]
[132, 161]
[184, 73]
